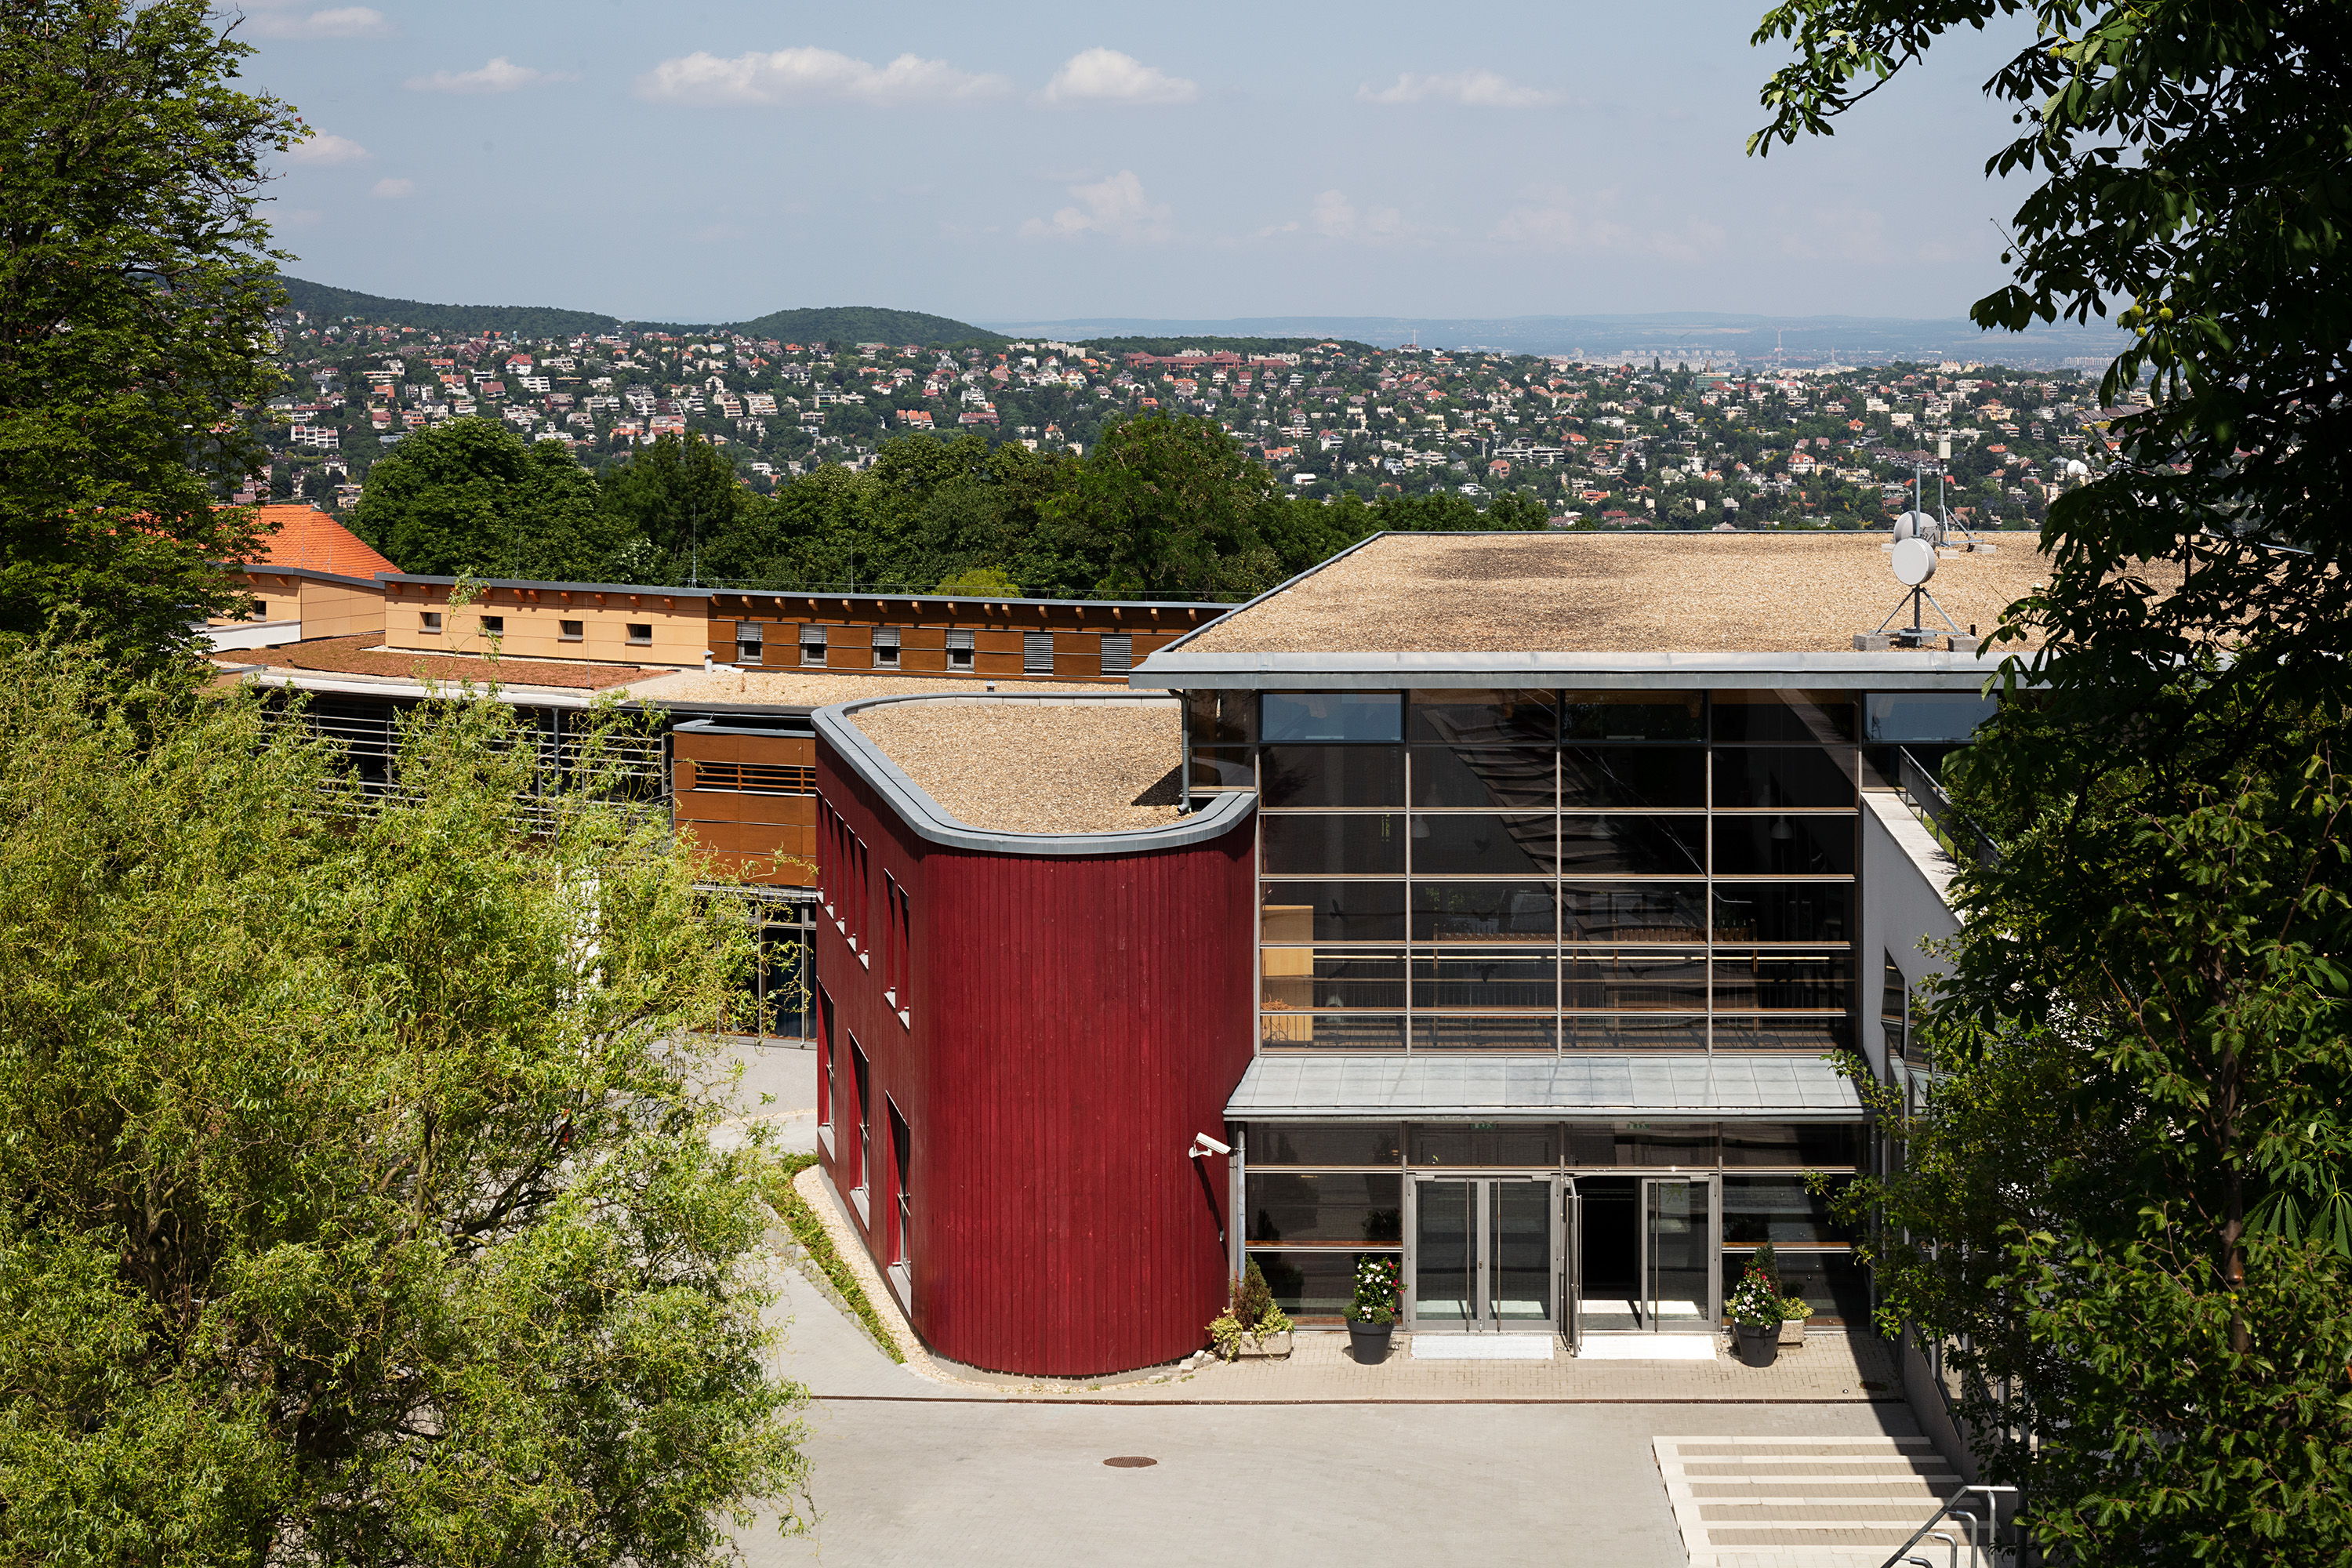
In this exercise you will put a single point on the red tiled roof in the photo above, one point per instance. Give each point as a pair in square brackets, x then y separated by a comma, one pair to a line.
[309, 539]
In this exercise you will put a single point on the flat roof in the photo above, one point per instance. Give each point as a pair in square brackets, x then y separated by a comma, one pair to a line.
[1631, 593]
[1326, 1087]
[817, 689]
[1039, 767]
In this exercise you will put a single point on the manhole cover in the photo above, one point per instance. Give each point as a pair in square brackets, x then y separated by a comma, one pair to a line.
[1128, 1461]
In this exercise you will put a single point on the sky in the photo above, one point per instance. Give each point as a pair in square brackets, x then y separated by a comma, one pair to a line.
[710, 160]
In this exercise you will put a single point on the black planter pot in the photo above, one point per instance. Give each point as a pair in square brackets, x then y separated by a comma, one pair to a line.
[1368, 1343]
[1759, 1346]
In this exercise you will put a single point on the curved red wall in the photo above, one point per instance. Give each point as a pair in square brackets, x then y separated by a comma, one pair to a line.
[1076, 1020]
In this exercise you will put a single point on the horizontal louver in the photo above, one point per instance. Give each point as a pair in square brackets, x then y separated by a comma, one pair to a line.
[754, 778]
[1036, 653]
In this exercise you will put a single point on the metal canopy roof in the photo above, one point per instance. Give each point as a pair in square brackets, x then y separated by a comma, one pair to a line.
[1326, 1087]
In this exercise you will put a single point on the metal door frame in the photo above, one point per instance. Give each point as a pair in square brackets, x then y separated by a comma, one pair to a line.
[1571, 1205]
[1645, 1299]
[1482, 1318]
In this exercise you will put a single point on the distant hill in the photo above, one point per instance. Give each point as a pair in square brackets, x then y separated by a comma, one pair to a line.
[1244, 346]
[837, 324]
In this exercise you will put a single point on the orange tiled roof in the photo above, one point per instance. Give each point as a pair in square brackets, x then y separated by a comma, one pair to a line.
[309, 539]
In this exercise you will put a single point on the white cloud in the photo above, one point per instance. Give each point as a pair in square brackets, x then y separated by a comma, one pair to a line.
[500, 75]
[1105, 76]
[1559, 224]
[1116, 207]
[344, 22]
[813, 75]
[393, 190]
[316, 148]
[1467, 88]
[1334, 216]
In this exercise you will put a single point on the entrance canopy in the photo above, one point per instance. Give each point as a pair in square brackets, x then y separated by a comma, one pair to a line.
[1425, 1087]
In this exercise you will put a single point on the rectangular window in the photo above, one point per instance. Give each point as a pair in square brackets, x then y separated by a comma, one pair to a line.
[1633, 778]
[826, 1094]
[959, 651]
[1333, 775]
[1335, 1208]
[861, 893]
[1334, 845]
[431, 620]
[494, 626]
[1483, 911]
[641, 634]
[813, 645]
[861, 1080]
[1474, 717]
[572, 631]
[1333, 911]
[897, 962]
[1518, 845]
[1628, 846]
[1313, 1144]
[1036, 653]
[751, 642]
[1117, 653]
[1332, 716]
[902, 1202]
[886, 648]
[1450, 777]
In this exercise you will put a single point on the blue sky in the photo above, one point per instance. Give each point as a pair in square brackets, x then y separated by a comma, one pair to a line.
[706, 160]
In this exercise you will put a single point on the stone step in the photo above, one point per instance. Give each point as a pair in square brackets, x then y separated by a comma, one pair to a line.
[1778, 1502]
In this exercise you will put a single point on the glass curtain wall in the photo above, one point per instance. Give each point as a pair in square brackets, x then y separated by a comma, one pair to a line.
[1532, 872]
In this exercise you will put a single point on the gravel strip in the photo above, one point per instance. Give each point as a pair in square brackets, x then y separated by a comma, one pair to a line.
[1038, 767]
[353, 656]
[793, 688]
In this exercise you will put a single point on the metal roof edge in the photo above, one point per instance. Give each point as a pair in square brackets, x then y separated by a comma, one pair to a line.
[1386, 671]
[343, 684]
[646, 590]
[932, 821]
[308, 574]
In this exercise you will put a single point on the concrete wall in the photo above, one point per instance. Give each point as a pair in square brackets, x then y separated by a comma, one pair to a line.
[1905, 877]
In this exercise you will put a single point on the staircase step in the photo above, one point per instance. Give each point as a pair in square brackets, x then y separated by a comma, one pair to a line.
[1819, 1502]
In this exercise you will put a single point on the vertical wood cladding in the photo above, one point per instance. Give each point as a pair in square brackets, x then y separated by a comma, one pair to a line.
[1072, 1023]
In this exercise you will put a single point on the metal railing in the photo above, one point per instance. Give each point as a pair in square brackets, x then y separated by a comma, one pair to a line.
[1917, 785]
[1987, 1555]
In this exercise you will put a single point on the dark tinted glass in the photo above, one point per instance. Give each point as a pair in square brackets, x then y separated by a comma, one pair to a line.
[1660, 778]
[1332, 911]
[1332, 846]
[1332, 716]
[1783, 718]
[1523, 1033]
[1805, 1144]
[1780, 1032]
[1322, 1143]
[1631, 716]
[1634, 911]
[1684, 1146]
[1832, 1283]
[1222, 767]
[1915, 716]
[1450, 776]
[1300, 977]
[1780, 1210]
[1311, 1284]
[1359, 1207]
[1633, 846]
[1332, 776]
[1473, 718]
[1474, 1145]
[1518, 845]
[1220, 718]
[1353, 1032]
[1783, 912]
[1785, 846]
[1594, 1032]
[1473, 912]
[1634, 981]
[1746, 779]
[1489, 980]
[1766, 981]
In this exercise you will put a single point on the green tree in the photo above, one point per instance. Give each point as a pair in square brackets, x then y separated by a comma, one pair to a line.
[469, 498]
[357, 1197]
[680, 495]
[135, 288]
[1164, 502]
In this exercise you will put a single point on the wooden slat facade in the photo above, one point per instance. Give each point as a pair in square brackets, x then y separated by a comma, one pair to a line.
[1072, 1024]
[769, 839]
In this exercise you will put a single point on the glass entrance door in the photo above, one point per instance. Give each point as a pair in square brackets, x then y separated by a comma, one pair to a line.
[1678, 1253]
[1484, 1253]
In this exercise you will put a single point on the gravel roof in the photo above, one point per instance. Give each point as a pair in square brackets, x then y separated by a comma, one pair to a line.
[366, 654]
[796, 689]
[1619, 592]
[1016, 766]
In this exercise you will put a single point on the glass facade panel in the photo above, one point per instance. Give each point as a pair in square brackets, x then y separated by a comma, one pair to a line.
[1595, 1032]
[1332, 911]
[1493, 981]
[1783, 718]
[1778, 778]
[1322, 845]
[1520, 1032]
[1323, 1143]
[1630, 715]
[1835, 1286]
[1936, 716]
[1474, 718]
[1633, 778]
[1633, 846]
[1636, 979]
[1438, 1144]
[1222, 767]
[1357, 1032]
[1815, 912]
[1768, 981]
[1310, 1282]
[1634, 911]
[1516, 845]
[1684, 1146]
[1448, 776]
[1781, 1032]
[1331, 716]
[1297, 978]
[1785, 846]
[1357, 1209]
[1805, 1145]
[1331, 776]
[1780, 1210]
[1221, 718]
[1483, 911]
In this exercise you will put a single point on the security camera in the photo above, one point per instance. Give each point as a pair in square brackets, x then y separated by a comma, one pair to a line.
[1203, 1146]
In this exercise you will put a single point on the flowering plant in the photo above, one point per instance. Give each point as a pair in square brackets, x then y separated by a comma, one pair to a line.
[1379, 1290]
[1756, 1302]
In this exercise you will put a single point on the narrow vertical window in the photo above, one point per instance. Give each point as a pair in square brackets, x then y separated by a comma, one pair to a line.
[959, 651]
[899, 1246]
[1036, 653]
[813, 645]
[886, 648]
[861, 1078]
[1117, 653]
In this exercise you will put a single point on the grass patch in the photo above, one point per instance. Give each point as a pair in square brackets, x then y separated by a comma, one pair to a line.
[802, 1221]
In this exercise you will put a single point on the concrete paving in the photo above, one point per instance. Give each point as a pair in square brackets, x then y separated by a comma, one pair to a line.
[778, 1088]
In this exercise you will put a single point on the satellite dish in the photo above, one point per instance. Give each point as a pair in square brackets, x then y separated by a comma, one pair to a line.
[1918, 525]
[1915, 561]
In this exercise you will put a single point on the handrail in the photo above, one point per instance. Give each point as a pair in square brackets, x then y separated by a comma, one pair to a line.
[1918, 785]
[1952, 1510]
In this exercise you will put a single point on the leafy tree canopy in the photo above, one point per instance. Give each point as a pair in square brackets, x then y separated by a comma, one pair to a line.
[130, 307]
[469, 499]
[679, 495]
[357, 1201]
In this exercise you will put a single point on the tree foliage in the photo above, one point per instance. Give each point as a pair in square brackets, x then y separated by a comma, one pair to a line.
[359, 1202]
[135, 291]
[470, 498]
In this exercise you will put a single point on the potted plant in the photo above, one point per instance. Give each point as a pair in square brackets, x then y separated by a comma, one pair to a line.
[1754, 1308]
[1795, 1310]
[1372, 1314]
[1252, 1324]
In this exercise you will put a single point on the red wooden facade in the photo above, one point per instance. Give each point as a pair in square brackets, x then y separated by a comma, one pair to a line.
[1070, 1023]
